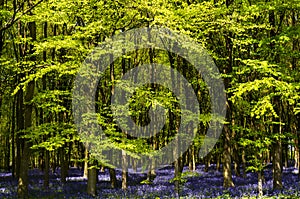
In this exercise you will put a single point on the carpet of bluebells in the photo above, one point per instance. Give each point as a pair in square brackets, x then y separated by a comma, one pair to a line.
[199, 184]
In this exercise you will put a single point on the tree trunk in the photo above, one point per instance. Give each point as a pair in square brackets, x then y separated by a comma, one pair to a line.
[277, 165]
[285, 155]
[207, 162]
[24, 166]
[192, 162]
[244, 162]
[1, 32]
[124, 170]
[47, 169]
[177, 166]
[227, 173]
[20, 126]
[13, 123]
[296, 144]
[7, 151]
[86, 159]
[23, 179]
[63, 165]
[227, 163]
[92, 181]
[260, 184]
[236, 163]
[277, 145]
[19, 109]
[218, 162]
[113, 178]
[277, 151]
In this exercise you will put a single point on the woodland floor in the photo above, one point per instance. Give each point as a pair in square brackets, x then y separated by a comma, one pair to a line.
[198, 185]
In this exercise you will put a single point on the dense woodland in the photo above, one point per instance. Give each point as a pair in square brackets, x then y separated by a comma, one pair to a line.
[254, 44]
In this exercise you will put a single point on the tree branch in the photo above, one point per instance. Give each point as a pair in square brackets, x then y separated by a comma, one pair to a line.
[14, 18]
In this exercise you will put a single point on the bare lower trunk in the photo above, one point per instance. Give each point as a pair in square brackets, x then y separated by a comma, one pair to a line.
[23, 178]
[92, 182]
[113, 178]
[47, 168]
[151, 173]
[227, 162]
[63, 165]
[85, 166]
[277, 166]
[244, 163]
[236, 161]
[177, 176]
[218, 165]
[207, 162]
[192, 161]
[124, 170]
[260, 184]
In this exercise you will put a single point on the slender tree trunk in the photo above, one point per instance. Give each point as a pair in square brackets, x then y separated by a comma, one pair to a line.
[277, 151]
[243, 157]
[207, 162]
[7, 151]
[296, 144]
[277, 146]
[20, 107]
[285, 155]
[86, 159]
[63, 165]
[177, 164]
[277, 166]
[134, 164]
[177, 176]
[294, 121]
[236, 162]
[228, 182]
[46, 152]
[244, 162]
[47, 169]
[192, 162]
[113, 178]
[24, 166]
[92, 181]
[23, 179]
[227, 171]
[112, 172]
[20, 126]
[1, 32]
[218, 164]
[124, 156]
[124, 170]
[260, 184]
[13, 124]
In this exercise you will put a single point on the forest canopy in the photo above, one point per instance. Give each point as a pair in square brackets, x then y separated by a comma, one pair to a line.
[254, 45]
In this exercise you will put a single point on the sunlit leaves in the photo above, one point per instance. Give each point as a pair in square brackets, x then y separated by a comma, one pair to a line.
[51, 136]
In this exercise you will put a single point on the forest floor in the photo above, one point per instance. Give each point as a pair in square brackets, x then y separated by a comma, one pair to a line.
[199, 184]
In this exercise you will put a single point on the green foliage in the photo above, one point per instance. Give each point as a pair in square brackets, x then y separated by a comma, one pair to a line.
[51, 136]
[262, 83]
